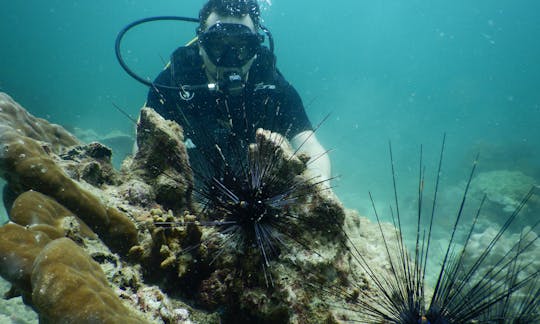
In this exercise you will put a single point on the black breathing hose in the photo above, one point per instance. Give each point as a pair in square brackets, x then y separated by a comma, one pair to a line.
[124, 30]
[136, 23]
[270, 38]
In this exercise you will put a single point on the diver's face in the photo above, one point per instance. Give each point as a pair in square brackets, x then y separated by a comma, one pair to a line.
[215, 19]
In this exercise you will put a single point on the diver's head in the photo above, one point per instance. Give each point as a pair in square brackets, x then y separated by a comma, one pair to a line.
[228, 36]
[229, 8]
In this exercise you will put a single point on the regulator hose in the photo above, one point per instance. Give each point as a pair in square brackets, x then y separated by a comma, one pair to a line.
[128, 27]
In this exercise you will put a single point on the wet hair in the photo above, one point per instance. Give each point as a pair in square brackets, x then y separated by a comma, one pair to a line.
[232, 8]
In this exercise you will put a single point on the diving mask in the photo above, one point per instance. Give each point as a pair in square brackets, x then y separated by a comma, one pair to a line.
[230, 45]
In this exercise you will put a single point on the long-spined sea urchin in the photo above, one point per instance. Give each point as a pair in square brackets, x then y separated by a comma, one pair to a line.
[468, 289]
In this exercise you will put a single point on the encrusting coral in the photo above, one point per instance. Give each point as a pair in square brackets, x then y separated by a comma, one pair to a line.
[28, 162]
[63, 275]
[42, 213]
[19, 246]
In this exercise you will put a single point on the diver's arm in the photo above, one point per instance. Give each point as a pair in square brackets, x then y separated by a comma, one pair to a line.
[319, 163]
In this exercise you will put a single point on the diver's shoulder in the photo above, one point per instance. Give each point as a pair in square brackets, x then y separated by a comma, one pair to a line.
[263, 68]
[265, 56]
[186, 55]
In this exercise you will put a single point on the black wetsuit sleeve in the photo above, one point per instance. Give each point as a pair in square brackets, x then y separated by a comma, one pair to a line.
[293, 110]
[163, 100]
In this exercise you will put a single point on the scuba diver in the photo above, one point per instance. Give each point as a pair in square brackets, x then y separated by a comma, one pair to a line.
[225, 83]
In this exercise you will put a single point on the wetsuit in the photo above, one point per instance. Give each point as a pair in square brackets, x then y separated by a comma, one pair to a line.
[210, 117]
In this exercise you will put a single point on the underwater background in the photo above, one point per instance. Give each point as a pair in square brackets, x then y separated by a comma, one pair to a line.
[405, 72]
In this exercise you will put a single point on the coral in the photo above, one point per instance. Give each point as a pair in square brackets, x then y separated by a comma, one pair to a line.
[232, 276]
[299, 224]
[96, 166]
[65, 193]
[503, 187]
[86, 233]
[27, 163]
[56, 276]
[153, 300]
[14, 117]
[119, 142]
[162, 160]
[528, 241]
[63, 275]
[19, 247]
[44, 214]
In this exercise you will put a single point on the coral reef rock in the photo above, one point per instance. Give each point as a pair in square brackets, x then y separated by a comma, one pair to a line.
[504, 187]
[84, 243]
[63, 275]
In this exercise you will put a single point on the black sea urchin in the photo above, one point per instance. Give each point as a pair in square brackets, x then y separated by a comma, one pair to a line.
[472, 285]
[253, 204]
[250, 185]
